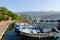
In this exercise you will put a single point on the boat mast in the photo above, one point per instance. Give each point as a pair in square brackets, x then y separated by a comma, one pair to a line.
[39, 22]
[38, 19]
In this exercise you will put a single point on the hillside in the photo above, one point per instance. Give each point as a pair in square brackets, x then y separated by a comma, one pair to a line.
[42, 14]
[52, 16]
[6, 14]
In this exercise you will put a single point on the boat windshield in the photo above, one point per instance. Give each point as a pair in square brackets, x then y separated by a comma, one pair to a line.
[33, 27]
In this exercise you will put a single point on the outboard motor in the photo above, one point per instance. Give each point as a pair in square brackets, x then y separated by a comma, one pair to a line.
[54, 30]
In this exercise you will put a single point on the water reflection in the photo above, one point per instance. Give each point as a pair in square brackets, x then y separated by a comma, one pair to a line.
[11, 35]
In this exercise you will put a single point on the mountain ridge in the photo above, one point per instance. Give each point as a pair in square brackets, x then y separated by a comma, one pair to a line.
[42, 14]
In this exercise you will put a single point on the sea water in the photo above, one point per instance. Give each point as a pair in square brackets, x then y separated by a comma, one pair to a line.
[11, 35]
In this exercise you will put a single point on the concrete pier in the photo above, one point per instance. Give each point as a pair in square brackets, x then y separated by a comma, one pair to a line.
[4, 25]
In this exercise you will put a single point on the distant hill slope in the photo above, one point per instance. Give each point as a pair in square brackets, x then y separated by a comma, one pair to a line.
[52, 16]
[43, 14]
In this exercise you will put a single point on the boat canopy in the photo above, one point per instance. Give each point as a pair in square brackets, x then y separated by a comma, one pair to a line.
[36, 28]
[29, 27]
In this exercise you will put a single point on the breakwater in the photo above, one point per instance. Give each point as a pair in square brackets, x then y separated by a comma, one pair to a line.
[4, 25]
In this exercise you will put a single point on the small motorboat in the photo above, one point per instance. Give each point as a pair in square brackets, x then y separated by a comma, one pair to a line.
[33, 31]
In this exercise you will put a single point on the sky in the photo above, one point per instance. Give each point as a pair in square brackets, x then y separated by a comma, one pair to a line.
[31, 5]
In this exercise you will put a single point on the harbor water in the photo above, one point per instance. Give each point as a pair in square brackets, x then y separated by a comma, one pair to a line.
[11, 35]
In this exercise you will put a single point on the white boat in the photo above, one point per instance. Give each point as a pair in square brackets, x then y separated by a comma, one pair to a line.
[33, 31]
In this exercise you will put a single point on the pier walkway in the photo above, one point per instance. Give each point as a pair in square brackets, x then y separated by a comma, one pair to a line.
[4, 25]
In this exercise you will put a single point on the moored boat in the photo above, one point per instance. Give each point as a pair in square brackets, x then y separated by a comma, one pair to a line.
[33, 30]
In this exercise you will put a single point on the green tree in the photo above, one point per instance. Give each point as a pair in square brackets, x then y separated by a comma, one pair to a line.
[10, 13]
[13, 15]
[5, 14]
[2, 17]
[3, 10]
